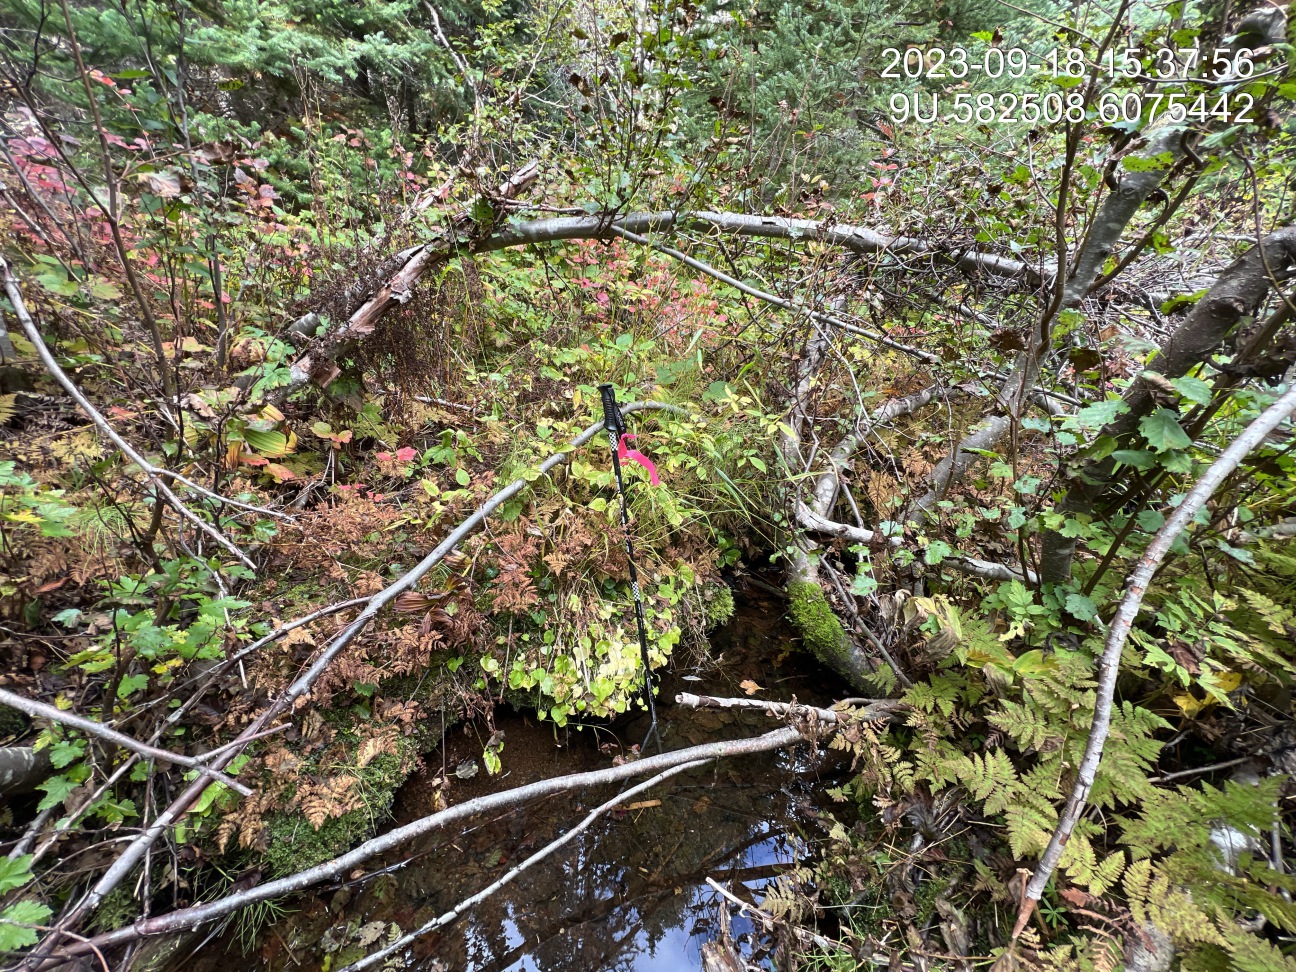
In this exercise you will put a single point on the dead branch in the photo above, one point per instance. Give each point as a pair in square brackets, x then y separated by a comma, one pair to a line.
[154, 475]
[426, 929]
[192, 917]
[874, 711]
[316, 362]
[1109, 666]
[99, 730]
[807, 936]
[774, 299]
[964, 564]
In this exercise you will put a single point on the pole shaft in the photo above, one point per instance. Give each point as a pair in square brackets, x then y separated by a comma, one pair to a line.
[615, 427]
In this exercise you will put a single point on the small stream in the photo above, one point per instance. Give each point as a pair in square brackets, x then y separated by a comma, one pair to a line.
[628, 894]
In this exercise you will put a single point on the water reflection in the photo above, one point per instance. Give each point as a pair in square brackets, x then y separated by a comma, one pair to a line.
[628, 894]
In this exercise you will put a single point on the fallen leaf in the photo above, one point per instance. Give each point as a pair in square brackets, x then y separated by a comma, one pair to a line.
[370, 932]
[643, 805]
[748, 686]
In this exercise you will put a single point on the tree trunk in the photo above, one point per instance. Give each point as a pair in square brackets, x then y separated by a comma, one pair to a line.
[1237, 293]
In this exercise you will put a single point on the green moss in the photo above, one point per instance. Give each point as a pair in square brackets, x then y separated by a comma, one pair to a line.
[717, 605]
[12, 723]
[295, 845]
[118, 909]
[813, 616]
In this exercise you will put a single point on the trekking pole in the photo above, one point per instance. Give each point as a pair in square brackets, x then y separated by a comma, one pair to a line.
[616, 431]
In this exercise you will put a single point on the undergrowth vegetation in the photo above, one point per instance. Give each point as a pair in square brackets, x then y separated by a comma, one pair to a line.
[293, 291]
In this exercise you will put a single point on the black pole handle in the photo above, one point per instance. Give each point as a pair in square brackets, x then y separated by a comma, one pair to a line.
[612, 420]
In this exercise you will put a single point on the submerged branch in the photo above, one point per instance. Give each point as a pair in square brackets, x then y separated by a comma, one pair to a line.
[370, 960]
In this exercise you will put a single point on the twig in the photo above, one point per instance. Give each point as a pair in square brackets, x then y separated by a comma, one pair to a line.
[803, 933]
[370, 960]
[90, 727]
[31, 833]
[859, 625]
[774, 299]
[876, 710]
[987, 569]
[1199, 770]
[1109, 666]
[154, 474]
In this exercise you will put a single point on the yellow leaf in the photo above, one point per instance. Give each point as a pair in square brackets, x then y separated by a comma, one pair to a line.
[748, 686]
[1228, 681]
[1188, 705]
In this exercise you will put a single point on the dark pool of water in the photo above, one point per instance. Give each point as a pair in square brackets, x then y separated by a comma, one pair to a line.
[628, 894]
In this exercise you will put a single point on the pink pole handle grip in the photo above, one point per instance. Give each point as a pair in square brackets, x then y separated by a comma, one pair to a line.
[635, 456]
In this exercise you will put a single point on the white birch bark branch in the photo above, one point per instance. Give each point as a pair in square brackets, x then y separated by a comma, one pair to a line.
[513, 873]
[99, 730]
[1109, 665]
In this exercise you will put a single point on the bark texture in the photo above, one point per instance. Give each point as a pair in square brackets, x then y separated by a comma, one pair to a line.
[22, 769]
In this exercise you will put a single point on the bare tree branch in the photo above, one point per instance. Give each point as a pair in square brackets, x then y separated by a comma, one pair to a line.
[774, 299]
[154, 475]
[875, 711]
[1109, 665]
[99, 730]
[416, 261]
[513, 873]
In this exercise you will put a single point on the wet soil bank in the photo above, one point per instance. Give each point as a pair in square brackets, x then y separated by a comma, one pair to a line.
[628, 894]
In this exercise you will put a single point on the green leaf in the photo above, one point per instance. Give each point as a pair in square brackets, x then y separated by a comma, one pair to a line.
[1150, 520]
[936, 551]
[12, 934]
[1136, 163]
[462, 477]
[1194, 389]
[63, 752]
[102, 289]
[1138, 458]
[272, 445]
[57, 789]
[130, 684]
[1163, 432]
[1098, 414]
[14, 873]
[1081, 607]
